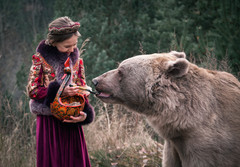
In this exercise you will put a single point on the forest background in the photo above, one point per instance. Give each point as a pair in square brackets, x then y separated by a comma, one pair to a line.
[208, 31]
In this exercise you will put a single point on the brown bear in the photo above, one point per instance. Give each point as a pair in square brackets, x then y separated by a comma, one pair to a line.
[196, 111]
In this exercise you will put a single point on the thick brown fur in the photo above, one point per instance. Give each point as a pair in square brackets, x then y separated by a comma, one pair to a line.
[196, 111]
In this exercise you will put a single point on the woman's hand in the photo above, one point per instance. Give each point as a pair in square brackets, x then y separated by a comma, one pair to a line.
[74, 90]
[80, 118]
[70, 91]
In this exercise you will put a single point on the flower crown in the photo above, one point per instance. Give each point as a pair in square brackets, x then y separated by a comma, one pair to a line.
[64, 30]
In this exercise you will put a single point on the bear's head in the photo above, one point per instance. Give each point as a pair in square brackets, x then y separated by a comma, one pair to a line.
[141, 80]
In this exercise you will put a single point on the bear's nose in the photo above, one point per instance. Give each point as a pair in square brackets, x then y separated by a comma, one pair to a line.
[95, 82]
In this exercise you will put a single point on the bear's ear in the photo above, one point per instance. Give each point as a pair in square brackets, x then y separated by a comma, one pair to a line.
[178, 54]
[177, 68]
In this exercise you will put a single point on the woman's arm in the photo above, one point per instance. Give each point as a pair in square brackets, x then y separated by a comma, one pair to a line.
[39, 91]
[35, 87]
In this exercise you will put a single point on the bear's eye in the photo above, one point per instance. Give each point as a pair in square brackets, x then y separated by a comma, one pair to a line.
[120, 75]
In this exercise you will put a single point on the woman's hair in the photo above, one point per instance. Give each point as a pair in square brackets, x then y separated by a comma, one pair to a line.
[61, 29]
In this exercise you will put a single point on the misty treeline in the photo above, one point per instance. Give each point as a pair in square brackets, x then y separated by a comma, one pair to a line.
[118, 30]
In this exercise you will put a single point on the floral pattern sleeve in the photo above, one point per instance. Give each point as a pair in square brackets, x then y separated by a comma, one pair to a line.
[35, 88]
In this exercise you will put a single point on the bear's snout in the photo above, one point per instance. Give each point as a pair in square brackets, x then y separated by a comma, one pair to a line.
[95, 82]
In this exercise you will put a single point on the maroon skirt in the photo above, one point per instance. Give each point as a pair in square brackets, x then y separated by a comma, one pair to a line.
[60, 144]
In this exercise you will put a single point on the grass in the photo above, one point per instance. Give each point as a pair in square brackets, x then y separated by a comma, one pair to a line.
[17, 134]
[121, 138]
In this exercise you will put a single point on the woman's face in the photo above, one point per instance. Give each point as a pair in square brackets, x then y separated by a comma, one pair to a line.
[68, 45]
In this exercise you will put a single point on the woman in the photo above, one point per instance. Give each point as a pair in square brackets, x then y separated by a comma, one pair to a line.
[59, 144]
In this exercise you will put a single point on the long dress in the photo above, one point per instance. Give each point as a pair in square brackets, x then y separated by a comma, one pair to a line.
[60, 144]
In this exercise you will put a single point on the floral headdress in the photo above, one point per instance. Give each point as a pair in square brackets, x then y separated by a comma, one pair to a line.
[65, 29]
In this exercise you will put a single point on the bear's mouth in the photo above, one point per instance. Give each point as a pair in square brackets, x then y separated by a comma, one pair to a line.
[103, 95]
